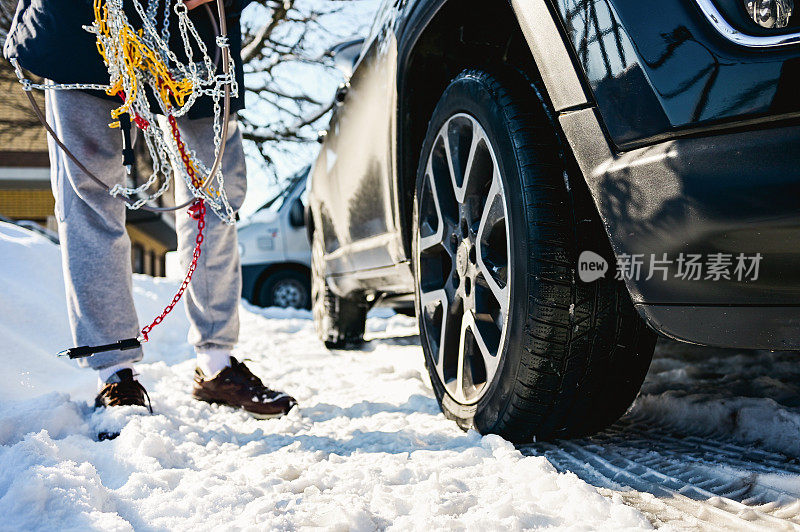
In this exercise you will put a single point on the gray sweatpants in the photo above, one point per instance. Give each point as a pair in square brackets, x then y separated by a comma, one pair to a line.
[96, 251]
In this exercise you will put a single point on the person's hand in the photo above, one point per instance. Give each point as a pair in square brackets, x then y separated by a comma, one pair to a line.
[191, 4]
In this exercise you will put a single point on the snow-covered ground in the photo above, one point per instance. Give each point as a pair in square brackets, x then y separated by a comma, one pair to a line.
[368, 448]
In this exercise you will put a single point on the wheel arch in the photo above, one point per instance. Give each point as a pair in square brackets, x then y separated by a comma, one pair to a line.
[446, 36]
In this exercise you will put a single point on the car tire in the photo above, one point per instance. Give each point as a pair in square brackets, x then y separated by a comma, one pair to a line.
[286, 289]
[514, 342]
[340, 322]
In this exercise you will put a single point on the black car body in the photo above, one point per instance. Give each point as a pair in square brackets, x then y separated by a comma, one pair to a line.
[676, 123]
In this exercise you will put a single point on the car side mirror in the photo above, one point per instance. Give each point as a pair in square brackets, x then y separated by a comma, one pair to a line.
[297, 214]
[345, 55]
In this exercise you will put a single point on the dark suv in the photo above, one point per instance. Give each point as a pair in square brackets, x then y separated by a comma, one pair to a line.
[552, 183]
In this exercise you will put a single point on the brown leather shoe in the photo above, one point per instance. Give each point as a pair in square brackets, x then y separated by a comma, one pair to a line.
[236, 386]
[122, 389]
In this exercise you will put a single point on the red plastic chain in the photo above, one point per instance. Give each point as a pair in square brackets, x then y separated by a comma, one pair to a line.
[140, 122]
[198, 212]
[187, 162]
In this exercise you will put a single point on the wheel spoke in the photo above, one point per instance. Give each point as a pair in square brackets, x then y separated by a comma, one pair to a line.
[429, 302]
[469, 175]
[500, 294]
[460, 181]
[438, 236]
[490, 360]
[462, 350]
[493, 214]
[478, 168]
[458, 191]
[471, 337]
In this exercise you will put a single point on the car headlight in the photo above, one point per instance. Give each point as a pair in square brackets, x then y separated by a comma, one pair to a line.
[241, 250]
[770, 13]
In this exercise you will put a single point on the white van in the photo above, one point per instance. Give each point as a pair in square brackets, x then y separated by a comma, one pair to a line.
[276, 256]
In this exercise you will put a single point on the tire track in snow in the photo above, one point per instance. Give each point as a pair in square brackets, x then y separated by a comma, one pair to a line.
[684, 481]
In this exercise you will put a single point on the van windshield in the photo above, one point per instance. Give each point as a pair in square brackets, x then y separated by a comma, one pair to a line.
[297, 180]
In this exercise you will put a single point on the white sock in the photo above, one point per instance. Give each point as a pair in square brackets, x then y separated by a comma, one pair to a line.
[213, 360]
[103, 374]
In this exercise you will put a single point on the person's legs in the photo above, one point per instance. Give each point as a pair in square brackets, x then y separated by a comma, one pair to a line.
[95, 249]
[212, 302]
[212, 299]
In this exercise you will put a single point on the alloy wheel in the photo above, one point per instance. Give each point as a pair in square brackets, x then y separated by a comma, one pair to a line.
[289, 293]
[463, 259]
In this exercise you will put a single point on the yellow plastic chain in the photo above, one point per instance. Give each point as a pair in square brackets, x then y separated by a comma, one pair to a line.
[137, 55]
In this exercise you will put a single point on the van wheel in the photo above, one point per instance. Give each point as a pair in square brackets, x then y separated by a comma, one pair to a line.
[339, 321]
[514, 343]
[286, 289]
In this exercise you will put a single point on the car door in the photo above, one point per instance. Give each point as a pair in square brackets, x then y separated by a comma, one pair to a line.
[359, 156]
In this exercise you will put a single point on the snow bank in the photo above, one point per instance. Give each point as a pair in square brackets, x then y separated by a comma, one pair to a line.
[367, 449]
[34, 325]
[33, 317]
[750, 396]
